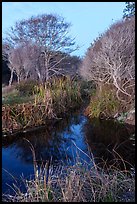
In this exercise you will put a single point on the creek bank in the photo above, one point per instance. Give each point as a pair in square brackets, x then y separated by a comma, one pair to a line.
[100, 135]
[128, 117]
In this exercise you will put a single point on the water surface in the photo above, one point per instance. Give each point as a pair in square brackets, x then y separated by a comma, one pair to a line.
[62, 143]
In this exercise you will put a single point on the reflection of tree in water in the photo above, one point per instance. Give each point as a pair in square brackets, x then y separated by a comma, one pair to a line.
[110, 141]
[47, 142]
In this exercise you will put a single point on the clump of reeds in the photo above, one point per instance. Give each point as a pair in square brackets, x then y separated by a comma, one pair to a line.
[105, 102]
[50, 100]
[26, 115]
[66, 93]
[81, 182]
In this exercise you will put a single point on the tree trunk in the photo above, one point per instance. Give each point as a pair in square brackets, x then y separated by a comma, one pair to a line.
[18, 79]
[47, 74]
[11, 78]
[46, 67]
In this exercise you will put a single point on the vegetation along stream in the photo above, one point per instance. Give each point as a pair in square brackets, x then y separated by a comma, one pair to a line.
[63, 143]
[68, 122]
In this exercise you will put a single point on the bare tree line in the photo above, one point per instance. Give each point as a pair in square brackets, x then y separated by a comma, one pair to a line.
[111, 59]
[37, 48]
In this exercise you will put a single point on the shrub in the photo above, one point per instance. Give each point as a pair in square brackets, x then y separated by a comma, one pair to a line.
[66, 93]
[26, 87]
[87, 88]
[104, 102]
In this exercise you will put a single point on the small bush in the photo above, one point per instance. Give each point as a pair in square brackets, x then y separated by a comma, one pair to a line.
[66, 93]
[87, 88]
[26, 87]
[104, 102]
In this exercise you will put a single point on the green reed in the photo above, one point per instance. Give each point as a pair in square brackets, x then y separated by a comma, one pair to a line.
[50, 100]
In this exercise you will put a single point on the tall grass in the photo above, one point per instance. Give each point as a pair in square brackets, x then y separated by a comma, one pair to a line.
[66, 93]
[105, 102]
[50, 101]
[81, 182]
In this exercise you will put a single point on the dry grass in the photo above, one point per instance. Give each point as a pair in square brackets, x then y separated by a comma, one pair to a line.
[49, 101]
[8, 89]
[81, 182]
[78, 184]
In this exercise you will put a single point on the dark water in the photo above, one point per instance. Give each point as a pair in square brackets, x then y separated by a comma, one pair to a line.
[62, 143]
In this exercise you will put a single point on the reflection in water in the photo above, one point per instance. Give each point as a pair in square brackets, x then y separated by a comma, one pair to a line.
[54, 142]
[110, 141]
[107, 140]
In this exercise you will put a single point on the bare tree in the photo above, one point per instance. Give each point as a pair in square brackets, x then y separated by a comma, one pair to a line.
[6, 56]
[16, 67]
[5, 68]
[30, 63]
[111, 60]
[50, 34]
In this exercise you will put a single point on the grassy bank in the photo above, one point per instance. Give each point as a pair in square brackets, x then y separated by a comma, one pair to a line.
[77, 183]
[105, 104]
[30, 104]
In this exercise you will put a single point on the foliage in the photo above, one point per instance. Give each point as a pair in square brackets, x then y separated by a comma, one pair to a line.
[129, 11]
[87, 88]
[10, 95]
[104, 103]
[63, 91]
[6, 90]
[26, 87]
[48, 101]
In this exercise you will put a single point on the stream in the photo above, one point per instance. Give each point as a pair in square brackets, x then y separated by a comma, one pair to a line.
[72, 139]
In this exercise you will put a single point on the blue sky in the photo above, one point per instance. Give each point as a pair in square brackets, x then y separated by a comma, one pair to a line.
[88, 19]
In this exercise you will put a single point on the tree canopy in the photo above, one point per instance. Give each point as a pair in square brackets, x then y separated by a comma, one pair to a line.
[129, 11]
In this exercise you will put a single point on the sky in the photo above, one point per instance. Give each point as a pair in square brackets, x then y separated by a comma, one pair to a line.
[88, 19]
